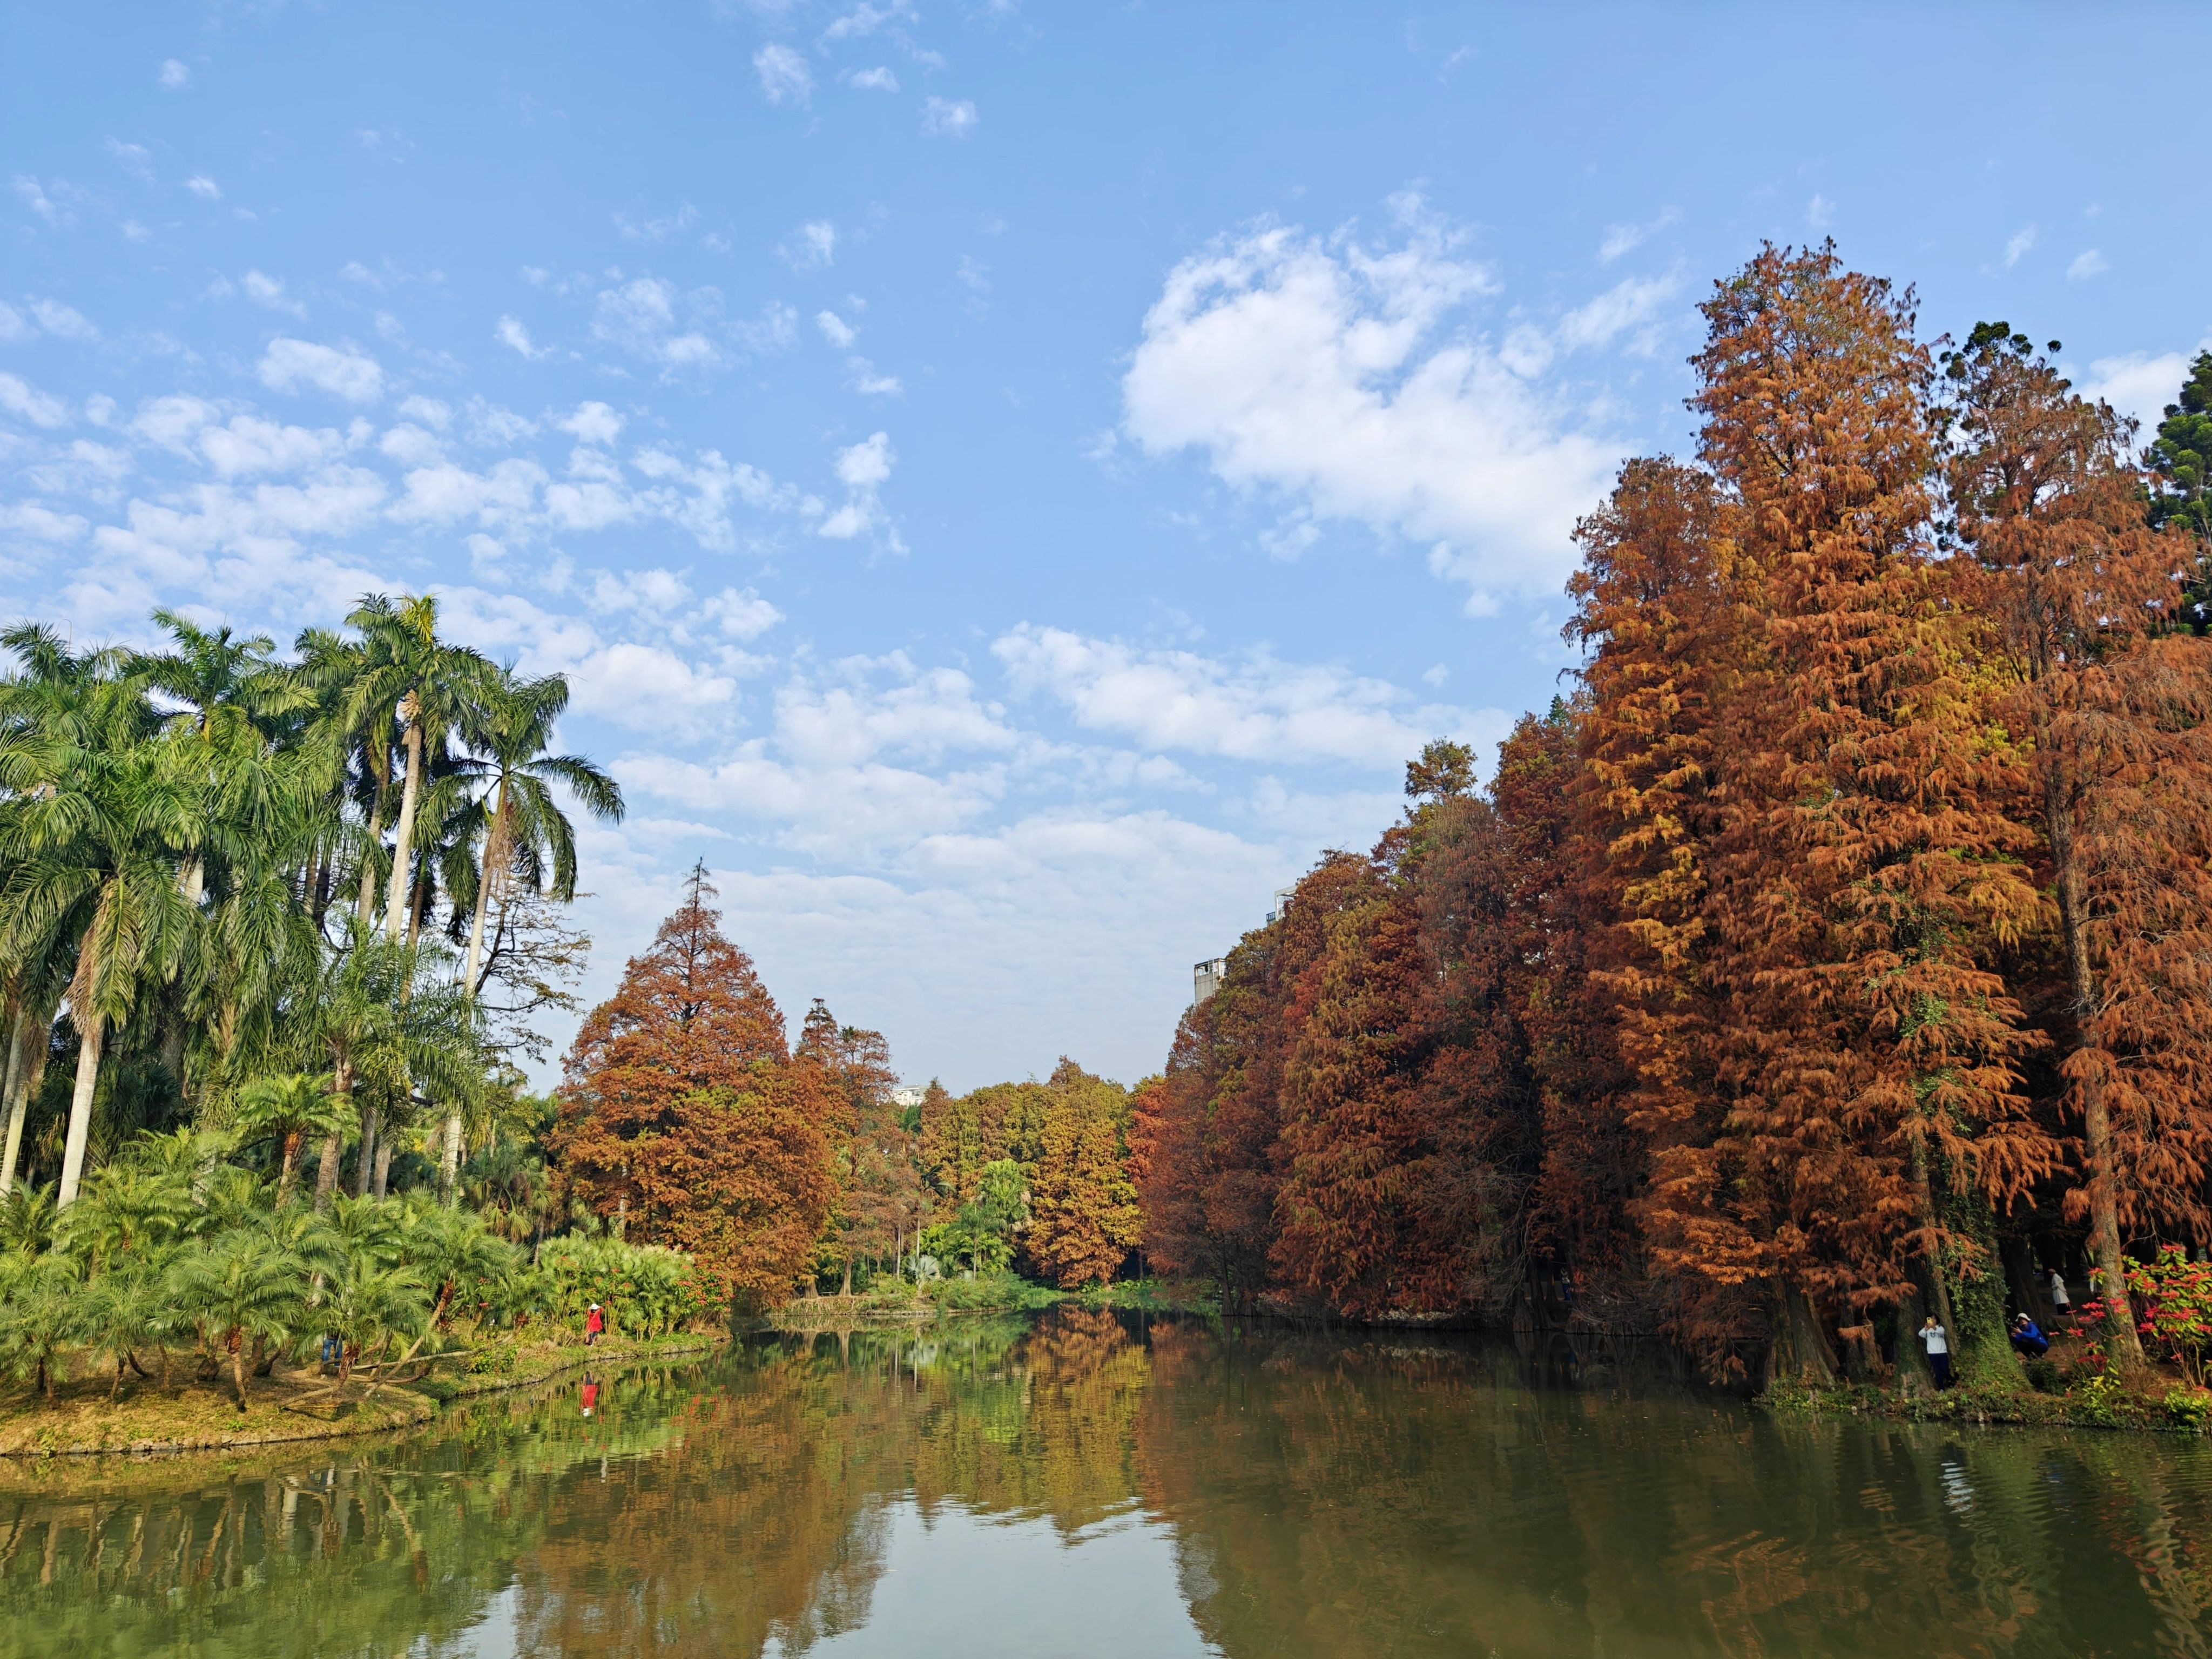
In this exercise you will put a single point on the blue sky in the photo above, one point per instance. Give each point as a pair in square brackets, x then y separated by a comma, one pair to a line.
[1010, 483]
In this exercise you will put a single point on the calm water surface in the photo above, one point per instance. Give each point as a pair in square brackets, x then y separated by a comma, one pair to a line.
[1083, 1486]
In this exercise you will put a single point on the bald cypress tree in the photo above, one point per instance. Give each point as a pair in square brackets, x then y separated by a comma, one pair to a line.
[2109, 699]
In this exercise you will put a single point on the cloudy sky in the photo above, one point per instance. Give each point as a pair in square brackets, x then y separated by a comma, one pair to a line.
[1009, 482]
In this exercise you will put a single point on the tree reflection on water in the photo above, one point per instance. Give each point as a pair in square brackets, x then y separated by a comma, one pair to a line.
[1325, 1494]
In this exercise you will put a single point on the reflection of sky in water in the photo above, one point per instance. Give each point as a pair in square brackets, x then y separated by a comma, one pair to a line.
[982, 1588]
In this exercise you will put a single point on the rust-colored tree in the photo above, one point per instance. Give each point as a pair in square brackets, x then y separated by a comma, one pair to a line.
[1083, 1220]
[682, 1120]
[879, 1185]
[2109, 698]
[1865, 861]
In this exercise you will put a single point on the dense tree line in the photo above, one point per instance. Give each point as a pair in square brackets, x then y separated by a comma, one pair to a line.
[272, 936]
[686, 1117]
[1839, 949]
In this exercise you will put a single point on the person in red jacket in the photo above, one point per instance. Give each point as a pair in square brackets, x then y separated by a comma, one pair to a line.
[594, 1322]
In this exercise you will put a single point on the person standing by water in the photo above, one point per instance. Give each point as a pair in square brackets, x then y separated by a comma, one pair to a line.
[2058, 1296]
[594, 1322]
[1937, 1341]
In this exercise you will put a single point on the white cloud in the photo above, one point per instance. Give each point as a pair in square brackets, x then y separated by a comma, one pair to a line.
[27, 403]
[944, 118]
[203, 187]
[36, 198]
[863, 377]
[874, 80]
[291, 366]
[864, 20]
[509, 331]
[2139, 383]
[247, 444]
[2017, 246]
[834, 329]
[784, 75]
[267, 291]
[1257, 709]
[2086, 264]
[742, 616]
[593, 422]
[1624, 238]
[63, 322]
[42, 524]
[1627, 306]
[813, 245]
[1322, 370]
[175, 73]
[133, 158]
[430, 411]
[1820, 213]
[12, 325]
[863, 468]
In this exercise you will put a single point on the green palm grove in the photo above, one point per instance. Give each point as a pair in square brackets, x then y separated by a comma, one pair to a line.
[257, 916]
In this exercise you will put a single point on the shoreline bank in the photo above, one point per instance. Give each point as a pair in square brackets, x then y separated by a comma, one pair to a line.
[197, 1417]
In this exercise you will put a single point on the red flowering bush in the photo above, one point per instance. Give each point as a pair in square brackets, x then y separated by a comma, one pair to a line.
[2173, 1312]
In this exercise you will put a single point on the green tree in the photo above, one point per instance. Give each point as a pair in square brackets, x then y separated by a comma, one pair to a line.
[244, 1288]
[408, 674]
[286, 1110]
[40, 1316]
[98, 823]
[517, 820]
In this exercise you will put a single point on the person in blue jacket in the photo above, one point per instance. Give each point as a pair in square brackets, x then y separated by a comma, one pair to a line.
[2027, 1336]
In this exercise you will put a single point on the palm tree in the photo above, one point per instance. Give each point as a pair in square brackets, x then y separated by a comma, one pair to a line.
[57, 702]
[40, 1315]
[246, 1288]
[390, 1020]
[367, 1300]
[286, 1109]
[522, 824]
[124, 1310]
[98, 826]
[410, 675]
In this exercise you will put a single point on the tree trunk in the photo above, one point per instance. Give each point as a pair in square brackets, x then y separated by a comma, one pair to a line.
[403, 850]
[365, 1159]
[80, 1122]
[1801, 1350]
[238, 1366]
[495, 869]
[449, 1159]
[1913, 1376]
[13, 1097]
[291, 1166]
[365, 901]
[383, 1165]
[2123, 1346]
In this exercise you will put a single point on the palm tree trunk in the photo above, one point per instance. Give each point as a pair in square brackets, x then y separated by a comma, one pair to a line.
[238, 1369]
[495, 868]
[291, 1164]
[38, 1040]
[365, 903]
[449, 1158]
[326, 1172]
[14, 1101]
[383, 1165]
[402, 855]
[366, 1157]
[80, 1121]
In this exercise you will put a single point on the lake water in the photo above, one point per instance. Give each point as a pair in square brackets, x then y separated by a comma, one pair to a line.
[1086, 1484]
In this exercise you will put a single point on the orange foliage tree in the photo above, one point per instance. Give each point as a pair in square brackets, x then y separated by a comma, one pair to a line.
[1083, 1220]
[2110, 697]
[683, 1120]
